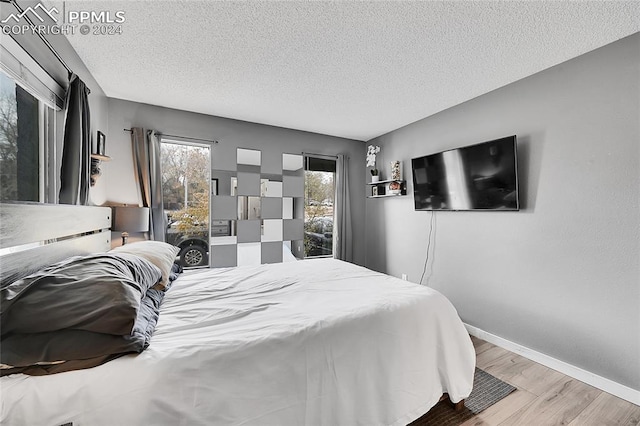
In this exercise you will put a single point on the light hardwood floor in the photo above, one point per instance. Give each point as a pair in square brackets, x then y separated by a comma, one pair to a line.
[544, 396]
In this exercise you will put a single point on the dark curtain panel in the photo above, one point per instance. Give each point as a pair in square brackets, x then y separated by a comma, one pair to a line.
[146, 163]
[74, 174]
[343, 241]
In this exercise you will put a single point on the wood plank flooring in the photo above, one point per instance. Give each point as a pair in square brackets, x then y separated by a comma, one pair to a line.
[546, 397]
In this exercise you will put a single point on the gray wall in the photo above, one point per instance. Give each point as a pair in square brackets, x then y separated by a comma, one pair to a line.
[562, 276]
[232, 134]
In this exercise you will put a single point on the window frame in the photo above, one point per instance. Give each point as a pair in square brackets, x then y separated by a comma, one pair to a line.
[20, 67]
[306, 167]
[174, 140]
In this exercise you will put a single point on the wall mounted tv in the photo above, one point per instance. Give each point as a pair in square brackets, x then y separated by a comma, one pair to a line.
[476, 177]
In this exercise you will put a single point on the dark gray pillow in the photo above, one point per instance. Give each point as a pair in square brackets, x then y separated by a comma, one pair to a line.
[77, 349]
[99, 293]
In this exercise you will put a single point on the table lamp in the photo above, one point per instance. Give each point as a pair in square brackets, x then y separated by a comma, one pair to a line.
[130, 219]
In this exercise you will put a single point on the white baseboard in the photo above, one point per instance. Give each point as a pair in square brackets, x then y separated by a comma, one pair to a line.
[577, 373]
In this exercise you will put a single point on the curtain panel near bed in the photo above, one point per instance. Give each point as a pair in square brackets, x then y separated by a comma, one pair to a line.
[146, 163]
[343, 246]
[76, 152]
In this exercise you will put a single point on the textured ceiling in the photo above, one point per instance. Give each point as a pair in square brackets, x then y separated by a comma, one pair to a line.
[349, 69]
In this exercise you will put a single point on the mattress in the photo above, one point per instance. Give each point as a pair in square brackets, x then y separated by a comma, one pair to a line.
[314, 342]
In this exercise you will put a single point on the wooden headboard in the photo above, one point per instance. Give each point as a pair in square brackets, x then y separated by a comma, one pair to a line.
[34, 235]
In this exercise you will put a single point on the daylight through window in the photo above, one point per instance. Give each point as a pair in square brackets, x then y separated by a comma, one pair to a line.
[319, 198]
[20, 147]
[186, 177]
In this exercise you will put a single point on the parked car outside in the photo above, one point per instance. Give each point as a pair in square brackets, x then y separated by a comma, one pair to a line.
[193, 244]
[318, 236]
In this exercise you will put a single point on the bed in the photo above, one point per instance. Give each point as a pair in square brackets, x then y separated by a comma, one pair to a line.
[313, 342]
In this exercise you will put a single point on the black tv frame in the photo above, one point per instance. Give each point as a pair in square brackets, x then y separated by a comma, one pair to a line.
[515, 168]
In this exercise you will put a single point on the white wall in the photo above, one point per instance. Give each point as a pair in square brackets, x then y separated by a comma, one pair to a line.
[231, 134]
[562, 276]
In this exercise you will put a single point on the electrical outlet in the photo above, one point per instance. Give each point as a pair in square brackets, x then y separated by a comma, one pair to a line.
[404, 277]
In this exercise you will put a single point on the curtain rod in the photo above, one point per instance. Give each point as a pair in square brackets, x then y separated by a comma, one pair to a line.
[181, 137]
[44, 40]
[309, 154]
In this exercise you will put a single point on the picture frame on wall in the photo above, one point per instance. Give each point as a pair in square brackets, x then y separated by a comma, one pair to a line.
[214, 186]
[101, 141]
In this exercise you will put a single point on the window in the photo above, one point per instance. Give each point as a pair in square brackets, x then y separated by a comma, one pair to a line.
[319, 198]
[21, 162]
[186, 171]
[30, 105]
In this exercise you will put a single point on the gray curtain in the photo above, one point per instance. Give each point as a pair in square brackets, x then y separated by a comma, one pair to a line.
[146, 164]
[343, 245]
[76, 152]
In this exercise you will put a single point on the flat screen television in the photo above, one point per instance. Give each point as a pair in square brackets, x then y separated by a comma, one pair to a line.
[475, 177]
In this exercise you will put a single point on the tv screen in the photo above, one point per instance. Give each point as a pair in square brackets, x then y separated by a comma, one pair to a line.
[476, 177]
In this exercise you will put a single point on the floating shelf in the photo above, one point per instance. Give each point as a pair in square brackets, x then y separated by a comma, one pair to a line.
[386, 195]
[382, 182]
[96, 159]
[100, 157]
[381, 189]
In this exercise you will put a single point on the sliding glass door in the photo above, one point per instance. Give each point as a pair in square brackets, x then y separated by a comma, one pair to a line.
[186, 180]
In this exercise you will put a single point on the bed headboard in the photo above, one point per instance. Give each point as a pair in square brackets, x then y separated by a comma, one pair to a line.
[34, 235]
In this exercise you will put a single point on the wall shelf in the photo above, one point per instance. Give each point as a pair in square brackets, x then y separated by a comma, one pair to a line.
[382, 189]
[99, 157]
[386, 195]
[96, 159]
[382, 182]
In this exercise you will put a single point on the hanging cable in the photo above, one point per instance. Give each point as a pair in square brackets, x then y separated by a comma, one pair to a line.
[426, 260]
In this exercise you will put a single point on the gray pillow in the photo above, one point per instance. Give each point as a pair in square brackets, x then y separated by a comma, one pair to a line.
[99, 293]
[64, 350]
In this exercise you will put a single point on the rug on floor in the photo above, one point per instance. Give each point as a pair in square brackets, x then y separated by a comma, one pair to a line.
[487, 390]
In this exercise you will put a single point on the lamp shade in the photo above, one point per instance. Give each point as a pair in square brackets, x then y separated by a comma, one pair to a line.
[130, 219]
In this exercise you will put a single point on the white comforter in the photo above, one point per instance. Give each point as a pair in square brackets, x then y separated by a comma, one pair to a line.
[317, 342]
